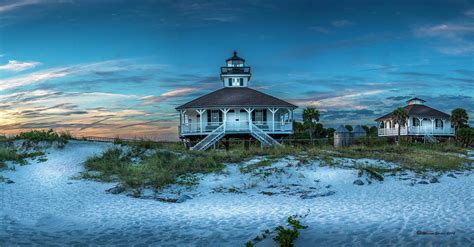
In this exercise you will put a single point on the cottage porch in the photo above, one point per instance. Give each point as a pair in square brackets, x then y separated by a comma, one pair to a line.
[236, 120]
[417, 126]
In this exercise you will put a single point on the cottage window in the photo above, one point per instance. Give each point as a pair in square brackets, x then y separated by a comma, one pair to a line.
[230, 81]
[214, 117]
[241, 82]
[439, 123]
[259, 116]
[416, 122]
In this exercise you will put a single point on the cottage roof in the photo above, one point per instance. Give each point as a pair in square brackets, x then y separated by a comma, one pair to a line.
[236, 97]
[341, 129]
[418, 110]
[358, 129]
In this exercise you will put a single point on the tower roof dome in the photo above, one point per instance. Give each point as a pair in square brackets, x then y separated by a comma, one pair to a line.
[235, 58]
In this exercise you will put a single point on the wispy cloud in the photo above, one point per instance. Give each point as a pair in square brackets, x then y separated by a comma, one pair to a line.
[319, 29]
[348, 101]
[17, 4]
[14, 65]
[470, 13]
[148, 100]
[54, 73]
[342, 23]
[445, 30]
[454, 34]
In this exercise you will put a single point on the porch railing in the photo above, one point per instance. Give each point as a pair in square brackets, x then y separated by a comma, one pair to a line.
[236, 126]
[416, 130]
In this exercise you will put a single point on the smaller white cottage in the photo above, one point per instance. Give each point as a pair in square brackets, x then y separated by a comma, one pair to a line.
[422, 121]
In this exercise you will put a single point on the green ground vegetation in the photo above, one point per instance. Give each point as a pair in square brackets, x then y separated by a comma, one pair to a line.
[148, 164]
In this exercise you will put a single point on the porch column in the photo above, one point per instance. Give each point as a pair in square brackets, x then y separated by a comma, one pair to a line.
[421, 124]
[442, 127]
[180, 121]
[225, 110]
[432, 125]
[200, 112]
[291, 118]
[273, 111]
[249, 111]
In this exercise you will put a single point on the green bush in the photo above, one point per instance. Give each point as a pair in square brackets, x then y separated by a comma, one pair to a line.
[158, 170]
[10, 153]
[286, 236]
[49, 136]
[465, 137]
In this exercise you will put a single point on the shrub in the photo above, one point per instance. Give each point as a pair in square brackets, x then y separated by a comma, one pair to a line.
[156, 171]
[465, 137]
[286, 236]
[49, 136]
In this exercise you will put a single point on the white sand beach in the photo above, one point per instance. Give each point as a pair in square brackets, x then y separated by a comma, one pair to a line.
[45, 205]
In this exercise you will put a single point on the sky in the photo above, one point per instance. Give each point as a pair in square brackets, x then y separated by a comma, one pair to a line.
[119, 68]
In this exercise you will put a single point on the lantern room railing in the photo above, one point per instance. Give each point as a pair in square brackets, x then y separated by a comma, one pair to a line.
[235, 70]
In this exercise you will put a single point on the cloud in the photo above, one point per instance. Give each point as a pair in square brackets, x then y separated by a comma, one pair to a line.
[416, 74]
[59, 72]
[457, 36]
[445, 30]
[148, 100]
[319, 29]
[470, 13]
[348, 101]
[14, 5]
[14, 65]
[342, 23]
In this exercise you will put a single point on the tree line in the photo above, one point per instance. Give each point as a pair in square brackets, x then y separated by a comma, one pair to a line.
[311, 128]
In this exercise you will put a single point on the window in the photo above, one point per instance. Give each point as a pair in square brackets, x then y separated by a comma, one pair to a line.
[416, 122]
[439, 123]
[241, 82]
[230, 82]
[259, 115]
[214, 116]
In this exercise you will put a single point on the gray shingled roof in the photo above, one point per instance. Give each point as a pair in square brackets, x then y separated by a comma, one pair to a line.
[341, 129]
[236, 97]
[418, 110]
[358, 129]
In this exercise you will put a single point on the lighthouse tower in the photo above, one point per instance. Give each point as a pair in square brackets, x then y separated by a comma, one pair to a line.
[235, 73]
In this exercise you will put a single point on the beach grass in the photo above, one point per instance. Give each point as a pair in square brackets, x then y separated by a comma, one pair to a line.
[157, 170]
[10, 153]
[149, 164]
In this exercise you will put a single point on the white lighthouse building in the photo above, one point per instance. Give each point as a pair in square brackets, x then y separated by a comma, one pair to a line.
[235, 110]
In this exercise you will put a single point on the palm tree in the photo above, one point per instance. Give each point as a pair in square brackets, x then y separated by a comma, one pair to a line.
[400, 117]
[310, 117]
[459, 118]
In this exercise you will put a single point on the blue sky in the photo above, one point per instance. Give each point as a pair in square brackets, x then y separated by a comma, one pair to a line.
[119, 68]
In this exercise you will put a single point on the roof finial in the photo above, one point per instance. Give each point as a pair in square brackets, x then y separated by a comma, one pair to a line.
[235, 53]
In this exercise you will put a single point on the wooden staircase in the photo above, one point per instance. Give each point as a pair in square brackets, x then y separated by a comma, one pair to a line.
[219, 132]
[210, 139]
[263, 137]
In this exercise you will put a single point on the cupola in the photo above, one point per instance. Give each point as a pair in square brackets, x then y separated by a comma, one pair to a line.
[235, 73]
[415, 101]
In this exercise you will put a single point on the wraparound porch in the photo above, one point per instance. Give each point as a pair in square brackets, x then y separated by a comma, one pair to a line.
[270, 120]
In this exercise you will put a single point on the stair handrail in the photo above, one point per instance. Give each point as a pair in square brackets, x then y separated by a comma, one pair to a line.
[209, 138]
[264, 136]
